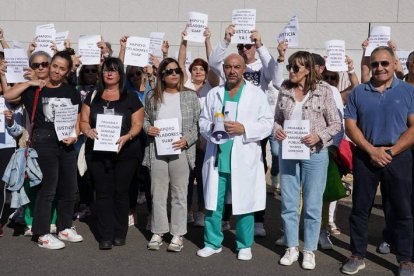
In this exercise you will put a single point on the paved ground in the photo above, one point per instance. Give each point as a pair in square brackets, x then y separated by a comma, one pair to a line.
[19, 256]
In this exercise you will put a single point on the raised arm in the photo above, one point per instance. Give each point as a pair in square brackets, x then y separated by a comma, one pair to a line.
[277, 79]
[365, 66]
[209, 48]
[182, 54]
[122, 43]
[399, 71]
[353, 78]
[3, 41]
[266, 58]
[219, 53]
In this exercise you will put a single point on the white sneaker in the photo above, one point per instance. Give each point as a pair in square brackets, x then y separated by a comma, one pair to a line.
[291, 256]
[190, 217]
[28, 231]
[176, 244]
[131, 219]
[325, 241]
[308, 260]
[199, 219]
[207, 252]
[48, 241]
[245, 254]
[281, 241]
[155, 242]
[259, 230]
[53, 229]
[225, 225]
[70, 235]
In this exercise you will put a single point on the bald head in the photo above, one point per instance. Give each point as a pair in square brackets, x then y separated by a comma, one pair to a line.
[234, 67]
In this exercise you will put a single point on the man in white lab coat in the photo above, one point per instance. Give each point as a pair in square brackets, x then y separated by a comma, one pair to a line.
[236, 166]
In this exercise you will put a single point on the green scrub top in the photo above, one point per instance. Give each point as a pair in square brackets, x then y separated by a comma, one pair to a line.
[224, 150]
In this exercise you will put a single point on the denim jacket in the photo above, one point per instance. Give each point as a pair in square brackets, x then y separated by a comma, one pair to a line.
[15, 171]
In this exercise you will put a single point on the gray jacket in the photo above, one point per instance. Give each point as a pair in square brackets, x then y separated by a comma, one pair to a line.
[190, 113]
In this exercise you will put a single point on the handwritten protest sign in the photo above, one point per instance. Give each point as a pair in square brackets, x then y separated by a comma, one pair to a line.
[336, 56]
[156, 40]
[292, 147]
[169, 133]
[88, 49]
[197, 22]
[65, 120]
[109, 131]
[60, 40]
[44, 39]
[244, 21]
[290, 33]
[379, 36]
[137, 51]
[403, 57]
[16, 60]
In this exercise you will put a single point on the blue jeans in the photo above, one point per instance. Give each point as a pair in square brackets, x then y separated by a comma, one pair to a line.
[312, 173]
[274, 147]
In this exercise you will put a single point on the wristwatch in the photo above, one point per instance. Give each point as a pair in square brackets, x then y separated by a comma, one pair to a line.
[389, 152]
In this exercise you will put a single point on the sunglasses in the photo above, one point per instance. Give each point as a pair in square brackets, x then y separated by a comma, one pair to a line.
[330, 77]
[294, 67]
[171, 71]
[240, 47]
[376, 64]
[137, 73]
[36, 65]
[90, 71]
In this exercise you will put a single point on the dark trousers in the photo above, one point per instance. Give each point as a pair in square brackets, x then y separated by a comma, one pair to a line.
[112, 179]
[58, 165]
[5, 154]
[196, 174]
[396, 189]
[141, 182]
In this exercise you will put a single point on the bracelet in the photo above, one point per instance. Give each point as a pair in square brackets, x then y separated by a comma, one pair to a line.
[351, 71]
[130, 136]
[280, 60]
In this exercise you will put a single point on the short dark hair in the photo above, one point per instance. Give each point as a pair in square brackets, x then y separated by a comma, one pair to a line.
[318, 59]
[65, 55]
[199, 62]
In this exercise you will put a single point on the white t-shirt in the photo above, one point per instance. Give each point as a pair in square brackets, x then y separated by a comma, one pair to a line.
[297, 110]
[171, 108]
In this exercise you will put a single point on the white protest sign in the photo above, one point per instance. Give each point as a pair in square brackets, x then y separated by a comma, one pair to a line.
[336, 56]
[88, 49]
[16, 60]
[292, 147]
[197, 22]
[2, 117]
[44, 39]
[60, 40]
[109, 131]
[65, 120]
[49, 26]
[137, 51]
[244, 21]
[169, 133]
[156, 40]
[290, 33]
[403, 57]
[379, 36]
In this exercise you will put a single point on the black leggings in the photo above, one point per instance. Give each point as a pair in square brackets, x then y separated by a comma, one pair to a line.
[5, 154]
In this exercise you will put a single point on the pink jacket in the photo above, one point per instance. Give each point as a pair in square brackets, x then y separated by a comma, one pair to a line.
[320, 109]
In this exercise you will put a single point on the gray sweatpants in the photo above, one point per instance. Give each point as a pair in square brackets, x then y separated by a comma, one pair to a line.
[172, 170]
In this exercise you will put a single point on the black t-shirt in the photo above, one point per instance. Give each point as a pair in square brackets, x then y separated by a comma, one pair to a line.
[48, 98]
[125, 106]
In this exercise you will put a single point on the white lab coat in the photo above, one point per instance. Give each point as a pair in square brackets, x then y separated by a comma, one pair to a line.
[248, 183]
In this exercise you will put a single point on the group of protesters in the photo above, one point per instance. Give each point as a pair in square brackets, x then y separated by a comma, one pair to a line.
[228, 106]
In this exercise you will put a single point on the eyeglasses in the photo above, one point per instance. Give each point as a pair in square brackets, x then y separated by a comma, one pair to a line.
[330, 77]
[137, 73]
[90, 71]
[36, 65]
[376, 64]
[295, 68]
[240, 47]
[168, 72]
[107, 70]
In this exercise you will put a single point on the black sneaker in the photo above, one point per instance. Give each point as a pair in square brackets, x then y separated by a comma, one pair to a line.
[353, 265]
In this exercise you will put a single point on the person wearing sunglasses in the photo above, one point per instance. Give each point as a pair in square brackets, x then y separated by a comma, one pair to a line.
[379, 119]
[304, 97]
[260, 72]
[57, 159]
[235, 168]
[170, 100]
